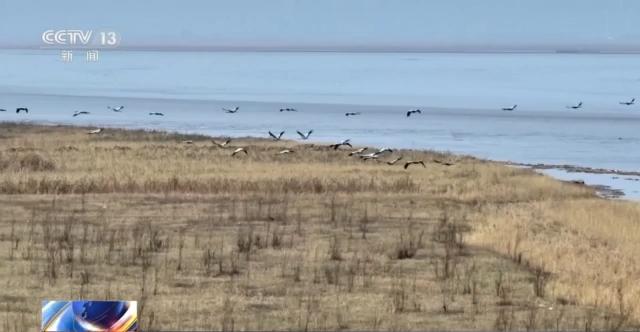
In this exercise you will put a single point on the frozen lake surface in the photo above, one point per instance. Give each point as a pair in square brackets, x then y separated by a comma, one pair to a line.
[461, 96]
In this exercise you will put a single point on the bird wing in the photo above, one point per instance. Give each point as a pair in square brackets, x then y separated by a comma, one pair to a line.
[272, 135]
[406, 165]
[281, 133]
[301, 134]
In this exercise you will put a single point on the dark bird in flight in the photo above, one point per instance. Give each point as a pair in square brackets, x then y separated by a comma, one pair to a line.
[76, 113]
[223, 144]
[393, 162]
[628, 103]
[2, 110]
[416, 111]
[351, 113]
[228, 110]
[288, 110]
[276, 138]
[238, 150]
[510, 108]
[336, 146]
[116, 109]
[22, 109]
[303, 136]
[575, 107]
[156, 113]
[444, 163]
[187, 142]
[413, 162]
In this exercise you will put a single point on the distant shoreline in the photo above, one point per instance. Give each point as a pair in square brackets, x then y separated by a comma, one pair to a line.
[249, 49]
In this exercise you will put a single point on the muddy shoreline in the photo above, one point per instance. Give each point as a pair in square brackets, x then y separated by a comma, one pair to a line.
[602, 190]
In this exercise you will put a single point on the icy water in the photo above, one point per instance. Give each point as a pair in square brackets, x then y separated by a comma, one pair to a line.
[461, 96]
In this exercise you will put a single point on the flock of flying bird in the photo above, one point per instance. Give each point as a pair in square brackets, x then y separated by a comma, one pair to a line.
[362, 153]
[576, 106]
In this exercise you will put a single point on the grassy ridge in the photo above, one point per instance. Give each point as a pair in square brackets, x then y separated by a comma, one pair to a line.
[311, 240]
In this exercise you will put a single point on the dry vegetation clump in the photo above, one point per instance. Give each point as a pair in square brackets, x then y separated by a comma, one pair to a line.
[314, 240]
[14, 161]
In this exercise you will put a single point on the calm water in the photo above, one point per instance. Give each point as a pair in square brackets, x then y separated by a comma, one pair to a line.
[461, 95]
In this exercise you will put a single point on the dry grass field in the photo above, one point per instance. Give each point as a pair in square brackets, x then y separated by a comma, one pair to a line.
[312, 240]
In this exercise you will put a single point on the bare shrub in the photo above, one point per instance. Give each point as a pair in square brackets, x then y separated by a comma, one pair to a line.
[408, 243]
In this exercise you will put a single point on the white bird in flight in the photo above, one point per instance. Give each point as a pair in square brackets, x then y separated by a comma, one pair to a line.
[393, 162]
[95, 131]
[223, 144]
[238, 150]
[285, 151]
[357, 152]
[116, 109]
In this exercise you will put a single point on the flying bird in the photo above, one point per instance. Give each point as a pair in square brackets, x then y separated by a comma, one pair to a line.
[288, 110]
[238, 150]
[628, 103]
[187, 142]
[276, 138]
[95, 131]
[227, 110]
[336, 146]
[22, 109]
[393, 162]
[223, 144]
[2, 110]
[116, 109]
[369, 156]
[510, 108]
[351, 113]
[416, 111]
[383, 150]
[303, 136]
[444, 163]
[575, 107]
[156, 113]
[359, 151]
[285, 151]
[76, 113]
[413, 162]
